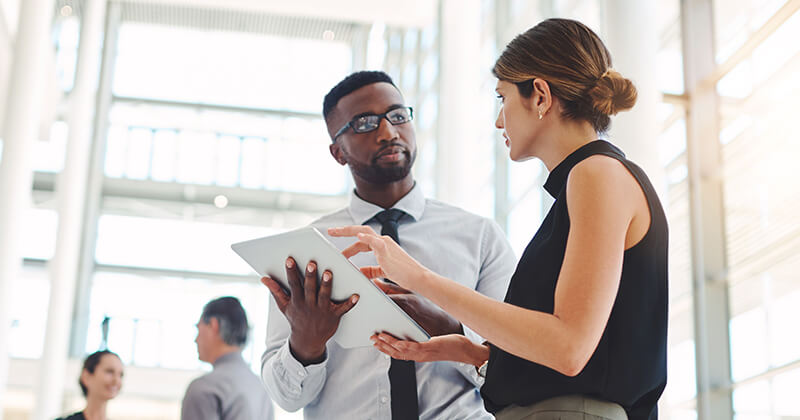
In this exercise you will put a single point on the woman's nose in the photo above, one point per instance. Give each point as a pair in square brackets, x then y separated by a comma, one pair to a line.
[499, 122]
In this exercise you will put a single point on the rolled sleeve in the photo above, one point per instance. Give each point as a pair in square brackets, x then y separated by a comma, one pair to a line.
[291, 384]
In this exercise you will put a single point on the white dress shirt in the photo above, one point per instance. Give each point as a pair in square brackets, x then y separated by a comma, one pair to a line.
[354, 383]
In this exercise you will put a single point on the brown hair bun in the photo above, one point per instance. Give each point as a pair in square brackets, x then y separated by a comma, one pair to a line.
[613, 93]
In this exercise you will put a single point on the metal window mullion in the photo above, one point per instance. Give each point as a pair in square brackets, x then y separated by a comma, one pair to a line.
[92, 210]
[707, 215]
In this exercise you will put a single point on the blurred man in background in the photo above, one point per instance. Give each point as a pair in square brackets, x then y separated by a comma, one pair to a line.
[231, 391]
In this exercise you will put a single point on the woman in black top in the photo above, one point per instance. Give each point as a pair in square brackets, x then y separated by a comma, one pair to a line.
[585, 316]
[100, 381]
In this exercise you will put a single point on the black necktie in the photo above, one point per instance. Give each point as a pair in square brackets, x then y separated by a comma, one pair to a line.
[402, 373]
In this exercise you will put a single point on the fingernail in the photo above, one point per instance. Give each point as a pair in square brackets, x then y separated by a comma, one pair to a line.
[354, 299]
[289, 263]
[326, 276]
[310, 267]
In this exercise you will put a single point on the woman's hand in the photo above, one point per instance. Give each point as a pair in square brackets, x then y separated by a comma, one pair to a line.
[452, 347]
[393, 262]
[429, 316]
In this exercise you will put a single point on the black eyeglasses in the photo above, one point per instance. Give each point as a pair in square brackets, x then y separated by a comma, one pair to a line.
[371, 122]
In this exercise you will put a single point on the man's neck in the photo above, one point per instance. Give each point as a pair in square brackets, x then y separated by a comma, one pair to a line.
[224, 351]
[384, 195]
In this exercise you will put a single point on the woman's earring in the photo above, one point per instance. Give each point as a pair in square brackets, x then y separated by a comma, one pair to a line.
[540, 114]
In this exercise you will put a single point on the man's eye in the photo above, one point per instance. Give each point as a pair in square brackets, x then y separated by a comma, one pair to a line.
[362, 122]
[398, 117]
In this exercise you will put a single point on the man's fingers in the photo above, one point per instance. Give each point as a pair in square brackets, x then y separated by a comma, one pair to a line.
[385, 287]
[310, 286]
[356, 248]
[293, 278]
[281, 298]
[350, 231]
[342, 308]
[325, 287]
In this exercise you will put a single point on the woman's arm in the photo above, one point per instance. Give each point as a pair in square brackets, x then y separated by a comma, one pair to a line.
[602, 200]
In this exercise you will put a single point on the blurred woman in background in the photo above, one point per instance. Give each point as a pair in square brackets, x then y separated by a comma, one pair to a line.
[100, 381]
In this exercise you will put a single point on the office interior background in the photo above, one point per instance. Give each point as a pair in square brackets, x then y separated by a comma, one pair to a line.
[140, 138]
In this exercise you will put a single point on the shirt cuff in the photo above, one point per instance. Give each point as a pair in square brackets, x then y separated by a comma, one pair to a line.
[471, 372]
[293, 373]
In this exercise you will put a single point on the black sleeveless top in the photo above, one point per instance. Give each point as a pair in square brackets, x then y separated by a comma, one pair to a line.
[76, 416]
[629, 366]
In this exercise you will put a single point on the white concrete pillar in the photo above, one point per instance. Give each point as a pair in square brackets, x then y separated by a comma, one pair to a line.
[21, 123]
[460, 77]
[631, 34]
[71, 198]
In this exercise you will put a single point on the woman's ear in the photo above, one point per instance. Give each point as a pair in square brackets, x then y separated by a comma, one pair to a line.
[543, 99]
[84, 376]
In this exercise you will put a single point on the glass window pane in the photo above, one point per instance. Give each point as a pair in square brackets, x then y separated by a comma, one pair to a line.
[165, 155]
[116, 151]
[783, 315]
[752, 401]
[523, 221]
[253, 163]
[162, 332]
[785, 390]
[735, 21]
[139, 153]
[41, 228]
[670, 54]
[749, 345]
[50, 154]
[239, 72]
[196, 157]
[31, 292]
[228, 160]
[173, 244]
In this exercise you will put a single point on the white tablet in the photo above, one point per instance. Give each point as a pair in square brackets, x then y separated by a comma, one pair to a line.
[374, 312]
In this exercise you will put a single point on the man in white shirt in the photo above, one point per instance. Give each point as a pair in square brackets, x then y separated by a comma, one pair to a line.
[372, 134]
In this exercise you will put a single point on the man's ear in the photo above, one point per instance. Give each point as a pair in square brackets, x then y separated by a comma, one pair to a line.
[336, 152]
[214, 324]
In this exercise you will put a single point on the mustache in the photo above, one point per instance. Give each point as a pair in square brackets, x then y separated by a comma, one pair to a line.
[383, 150]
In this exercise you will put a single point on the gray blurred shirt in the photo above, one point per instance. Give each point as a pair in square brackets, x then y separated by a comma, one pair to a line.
[354, 383]
[230, 392]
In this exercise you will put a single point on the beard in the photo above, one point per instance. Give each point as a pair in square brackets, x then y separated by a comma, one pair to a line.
[375, 173]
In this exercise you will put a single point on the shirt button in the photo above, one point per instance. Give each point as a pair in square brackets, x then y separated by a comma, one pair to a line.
[384, 400]
[385, 356]
[301, 373]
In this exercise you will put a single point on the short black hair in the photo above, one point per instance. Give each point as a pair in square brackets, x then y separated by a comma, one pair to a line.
[351, 83]
[231, 317]
[90, 364]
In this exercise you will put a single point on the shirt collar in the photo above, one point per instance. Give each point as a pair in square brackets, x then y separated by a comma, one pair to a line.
[229, 357]
[413, 203]
[558, 176]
